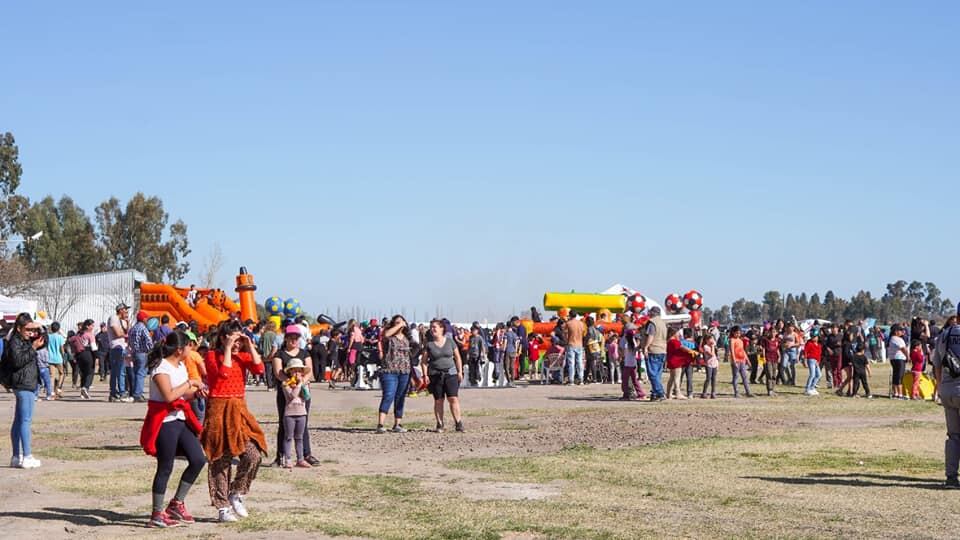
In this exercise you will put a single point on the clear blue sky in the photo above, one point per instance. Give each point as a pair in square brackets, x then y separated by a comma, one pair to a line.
[420, 153]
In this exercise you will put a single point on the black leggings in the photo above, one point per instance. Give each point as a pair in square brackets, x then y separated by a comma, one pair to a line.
[860, 377]
[174, 439]
[898, 367]
[86, 364]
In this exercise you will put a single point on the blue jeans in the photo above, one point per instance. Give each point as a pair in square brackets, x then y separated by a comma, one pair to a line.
[654, 369]
[199, 406]
[22, 418]
[573, 358]
[139, 374]
[118, 379]
[394, 386]
[45, 382]
[814, 377]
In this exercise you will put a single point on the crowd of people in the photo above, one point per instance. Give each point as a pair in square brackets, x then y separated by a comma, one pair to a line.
[195, 383]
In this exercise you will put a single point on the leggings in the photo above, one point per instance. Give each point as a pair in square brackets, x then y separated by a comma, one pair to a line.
[294, 427]
[898, 370]
[860, 376]
[176, 438]
[281, 428]
[86, 364]
[741, 370]
[710, 381]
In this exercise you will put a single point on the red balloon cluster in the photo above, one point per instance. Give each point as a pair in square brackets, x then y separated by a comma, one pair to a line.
[673, 304]
[693, 300]
[636, 303]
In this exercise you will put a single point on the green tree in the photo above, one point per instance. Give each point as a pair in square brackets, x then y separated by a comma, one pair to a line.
[137, 237]
[814, 308]
[723, 315]
[68, 245]
[11, 204]
[772, 305]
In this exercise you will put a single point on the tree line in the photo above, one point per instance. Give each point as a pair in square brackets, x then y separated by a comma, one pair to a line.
[134, 235]
[901, 302]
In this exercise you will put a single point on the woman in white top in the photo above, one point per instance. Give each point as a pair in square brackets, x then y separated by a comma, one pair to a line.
[897, 354]
[170, 427]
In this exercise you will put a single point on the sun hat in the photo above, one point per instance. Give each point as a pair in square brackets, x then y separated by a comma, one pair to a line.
[292, 329]
[295, 363]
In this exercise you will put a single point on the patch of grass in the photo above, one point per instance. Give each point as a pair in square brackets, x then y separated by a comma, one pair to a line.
[72, 453]
[107, 483]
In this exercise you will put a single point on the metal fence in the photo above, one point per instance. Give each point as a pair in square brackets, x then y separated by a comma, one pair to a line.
[72, 299]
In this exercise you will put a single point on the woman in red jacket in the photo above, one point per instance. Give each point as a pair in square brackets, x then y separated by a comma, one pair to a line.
[170, 428]
[229, 429]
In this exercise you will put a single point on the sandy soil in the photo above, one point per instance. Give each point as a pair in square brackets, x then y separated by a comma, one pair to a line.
[499, 422]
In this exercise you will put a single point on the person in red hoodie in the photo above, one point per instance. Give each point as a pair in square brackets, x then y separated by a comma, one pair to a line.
[678, 356]
[170, 428]
[812, 351]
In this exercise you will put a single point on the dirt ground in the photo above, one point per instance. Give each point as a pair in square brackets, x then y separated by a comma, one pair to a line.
[95, 480]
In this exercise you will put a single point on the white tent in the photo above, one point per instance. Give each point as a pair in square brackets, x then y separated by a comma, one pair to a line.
[15, 306]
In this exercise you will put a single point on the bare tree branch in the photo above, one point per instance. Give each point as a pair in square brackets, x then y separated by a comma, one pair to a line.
[212, 265]
[57, 297]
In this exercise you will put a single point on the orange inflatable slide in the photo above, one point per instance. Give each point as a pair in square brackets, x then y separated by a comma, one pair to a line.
[159, 299]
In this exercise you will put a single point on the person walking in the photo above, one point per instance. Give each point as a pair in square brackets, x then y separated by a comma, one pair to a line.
[812, 352]
[86, 361]
[170, 428]
[395, 373]
[55, 349]
[443, 373]
[230, 430]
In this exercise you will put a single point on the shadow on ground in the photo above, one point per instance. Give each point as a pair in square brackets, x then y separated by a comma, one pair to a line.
[853, 480]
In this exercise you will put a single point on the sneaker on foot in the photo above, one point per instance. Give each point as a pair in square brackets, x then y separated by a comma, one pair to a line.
[381, 429]
[227, 515]
[161, 520]
[814, 392]
[236, 501]
[439, 427]
[127, 399]
[312, 460]
[29, 462]
[951, 483]
[178, 511]
[399, 429]
[15, 462]
[459, 427]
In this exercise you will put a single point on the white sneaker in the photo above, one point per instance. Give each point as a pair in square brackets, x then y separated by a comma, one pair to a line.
[227, 515]
[15, 462]
[127, 399]
[814, 392]
[236, 501]
[29, 462]
[84, 394]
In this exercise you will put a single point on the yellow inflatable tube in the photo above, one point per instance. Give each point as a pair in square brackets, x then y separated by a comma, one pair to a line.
[615, 303]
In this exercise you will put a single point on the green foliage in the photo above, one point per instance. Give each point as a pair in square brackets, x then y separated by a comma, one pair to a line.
[10, 172]
[137, 237]
[68, 245]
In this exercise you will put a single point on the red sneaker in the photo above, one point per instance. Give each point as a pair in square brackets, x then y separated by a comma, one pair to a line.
[178, 511]
[161, 520]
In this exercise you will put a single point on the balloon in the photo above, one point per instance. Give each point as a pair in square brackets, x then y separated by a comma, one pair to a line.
[693, 300]
[153, 323]
[673, 303]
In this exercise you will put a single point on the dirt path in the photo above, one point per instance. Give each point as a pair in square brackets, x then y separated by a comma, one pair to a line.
[500, 422]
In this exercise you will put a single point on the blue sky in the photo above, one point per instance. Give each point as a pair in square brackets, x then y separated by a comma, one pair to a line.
[473, 156]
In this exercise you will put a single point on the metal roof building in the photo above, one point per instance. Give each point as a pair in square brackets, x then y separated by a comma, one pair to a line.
[72, 299]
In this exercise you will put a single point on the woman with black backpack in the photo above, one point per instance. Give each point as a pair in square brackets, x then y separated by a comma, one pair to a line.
[19, 373]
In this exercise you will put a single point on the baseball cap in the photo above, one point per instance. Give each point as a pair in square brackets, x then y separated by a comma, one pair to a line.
[292, 329]
[142, 315]
[122, 305]
[653, 311]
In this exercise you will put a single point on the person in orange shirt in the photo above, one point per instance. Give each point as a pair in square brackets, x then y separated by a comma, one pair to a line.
[738, 361]
[196, 371]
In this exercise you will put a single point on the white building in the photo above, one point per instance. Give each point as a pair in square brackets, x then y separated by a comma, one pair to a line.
[72, 299]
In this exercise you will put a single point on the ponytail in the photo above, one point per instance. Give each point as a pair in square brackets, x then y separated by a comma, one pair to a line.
[174, 341]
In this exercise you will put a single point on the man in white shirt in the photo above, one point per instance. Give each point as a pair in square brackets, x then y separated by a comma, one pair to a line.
[117, 327]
